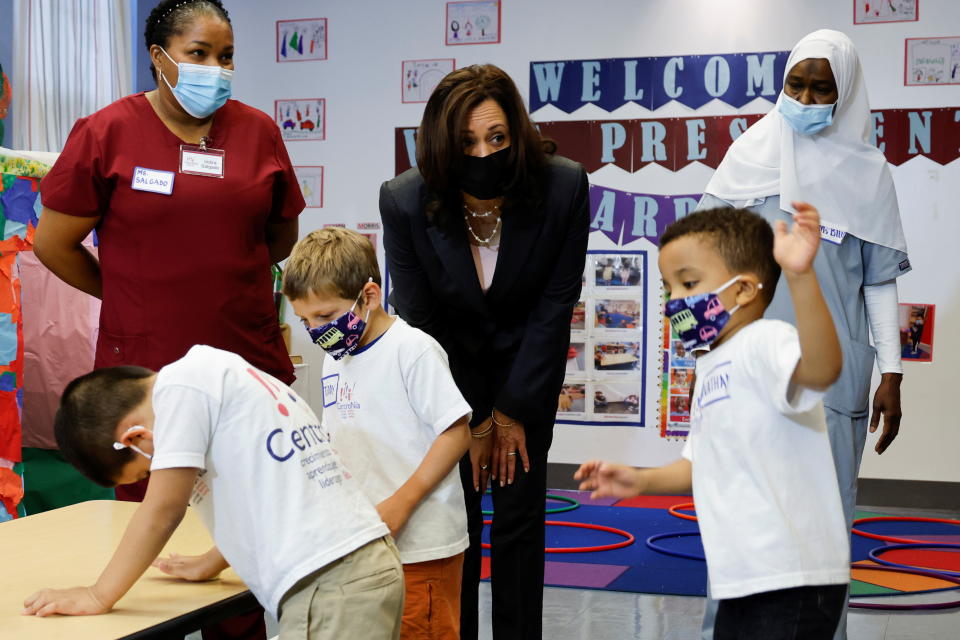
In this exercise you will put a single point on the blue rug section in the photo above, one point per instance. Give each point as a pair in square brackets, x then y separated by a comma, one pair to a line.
[653, 572]
[649, 571]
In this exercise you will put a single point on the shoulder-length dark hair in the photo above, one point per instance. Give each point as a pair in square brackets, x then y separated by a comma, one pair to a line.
[440, 142]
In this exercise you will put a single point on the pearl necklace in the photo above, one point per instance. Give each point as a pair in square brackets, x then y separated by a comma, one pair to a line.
[482, 241]
[483, 214]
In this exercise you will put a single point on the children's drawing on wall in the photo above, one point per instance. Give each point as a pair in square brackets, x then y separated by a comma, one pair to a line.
[932, 61]
[300, 40]
[876, 11]
[310, 180]
[473, 22]
[916, 332]
[301, 119]
[421, 77]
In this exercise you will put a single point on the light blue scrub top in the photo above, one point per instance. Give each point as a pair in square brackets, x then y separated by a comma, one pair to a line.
[842, 270]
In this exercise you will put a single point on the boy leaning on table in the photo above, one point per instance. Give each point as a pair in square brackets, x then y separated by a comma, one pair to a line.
[253, 460]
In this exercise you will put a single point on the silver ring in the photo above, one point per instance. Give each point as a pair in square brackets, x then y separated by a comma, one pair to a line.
[512, 453]
[483, 466]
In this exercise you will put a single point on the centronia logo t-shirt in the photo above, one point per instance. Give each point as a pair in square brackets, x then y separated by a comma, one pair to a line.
[269, 478]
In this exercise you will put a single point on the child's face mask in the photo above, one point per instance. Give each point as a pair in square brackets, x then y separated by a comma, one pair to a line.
[341, 337]
[699, 319]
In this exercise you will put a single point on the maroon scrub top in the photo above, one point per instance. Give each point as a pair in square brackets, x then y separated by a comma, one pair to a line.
[187, 268]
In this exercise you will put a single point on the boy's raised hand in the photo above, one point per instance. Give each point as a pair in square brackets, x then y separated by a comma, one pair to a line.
[78, 601]
[605, 479]
[795, 249]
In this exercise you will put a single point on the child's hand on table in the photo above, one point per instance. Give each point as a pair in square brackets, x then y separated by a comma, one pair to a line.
[193, 568]
[78, 601]
[605, 479]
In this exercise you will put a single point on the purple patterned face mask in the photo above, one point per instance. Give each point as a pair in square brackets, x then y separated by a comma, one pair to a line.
[341, 337]
[699, 319]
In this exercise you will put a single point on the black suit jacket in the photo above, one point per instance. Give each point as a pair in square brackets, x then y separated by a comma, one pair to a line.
[508, 347]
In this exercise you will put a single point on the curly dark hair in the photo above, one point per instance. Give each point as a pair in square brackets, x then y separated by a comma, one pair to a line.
[170, 18]
[743, 239]
[440, 142]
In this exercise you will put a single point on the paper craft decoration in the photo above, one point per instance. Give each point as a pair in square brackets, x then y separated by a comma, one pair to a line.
[916, 332]
[303, 119]
[694, 80]
[19, 211]
[421, 77]
[624, 217]
[473, 22]
[301, 40]
[879, 11]
[673, 143]
[931, 61]
[310, 179]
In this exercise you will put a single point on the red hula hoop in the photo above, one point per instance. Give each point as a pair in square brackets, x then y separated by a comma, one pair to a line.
[877, 536]
[582, 525]
[675, 511]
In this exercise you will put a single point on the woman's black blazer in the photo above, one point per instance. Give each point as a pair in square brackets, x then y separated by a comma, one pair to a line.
[508, 347]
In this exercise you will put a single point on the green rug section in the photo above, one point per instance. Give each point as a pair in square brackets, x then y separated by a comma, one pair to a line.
[50, 482]
[858, 588]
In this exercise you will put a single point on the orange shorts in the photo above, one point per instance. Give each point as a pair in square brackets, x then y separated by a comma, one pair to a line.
[431, 606]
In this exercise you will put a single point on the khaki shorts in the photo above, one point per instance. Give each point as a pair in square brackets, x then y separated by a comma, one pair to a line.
[358, 596]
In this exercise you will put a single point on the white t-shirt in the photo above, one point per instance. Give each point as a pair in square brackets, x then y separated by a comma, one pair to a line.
[763, 474]
[384, 406]
[272, 492]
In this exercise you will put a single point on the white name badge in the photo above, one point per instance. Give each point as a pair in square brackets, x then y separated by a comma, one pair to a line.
[152, 180]
[832, 234]
[201, 161]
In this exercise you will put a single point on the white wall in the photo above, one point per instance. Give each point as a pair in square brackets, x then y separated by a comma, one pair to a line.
[361, 82]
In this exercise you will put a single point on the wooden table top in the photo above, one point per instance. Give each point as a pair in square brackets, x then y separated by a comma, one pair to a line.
[69, 547]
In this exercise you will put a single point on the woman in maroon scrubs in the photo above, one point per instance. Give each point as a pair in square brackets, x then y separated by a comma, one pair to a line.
[186, 236]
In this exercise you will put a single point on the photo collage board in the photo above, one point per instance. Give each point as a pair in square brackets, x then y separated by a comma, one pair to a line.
[606, 361]
[678, 369]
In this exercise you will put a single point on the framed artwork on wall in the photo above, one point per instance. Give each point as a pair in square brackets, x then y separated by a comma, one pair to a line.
[473, 22]
[301, 40]
[301, 119]
[421, 77]
[310, 179]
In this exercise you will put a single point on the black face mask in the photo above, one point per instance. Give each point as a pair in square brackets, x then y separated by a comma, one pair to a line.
[484, 178]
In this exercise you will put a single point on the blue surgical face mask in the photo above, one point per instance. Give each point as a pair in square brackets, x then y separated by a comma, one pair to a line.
[806, 119]
[119, 445]
[341, 337]
[201, 89]
[699, 319]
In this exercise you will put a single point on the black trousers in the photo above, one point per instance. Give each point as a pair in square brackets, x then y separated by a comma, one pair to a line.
[517, 541]
[801, 613]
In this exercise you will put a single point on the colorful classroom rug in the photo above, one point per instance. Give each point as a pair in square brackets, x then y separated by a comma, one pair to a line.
[639, 569]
